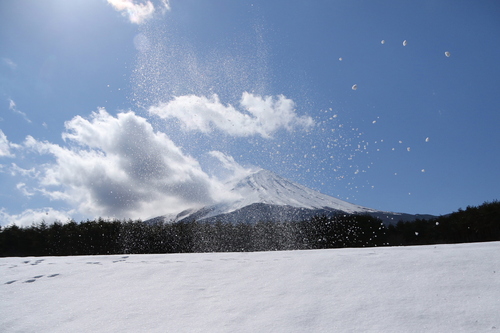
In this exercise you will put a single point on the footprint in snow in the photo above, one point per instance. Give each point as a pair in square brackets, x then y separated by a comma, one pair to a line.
[10, 282]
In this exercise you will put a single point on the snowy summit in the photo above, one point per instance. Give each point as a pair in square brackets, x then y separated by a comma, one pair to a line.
[266, 196]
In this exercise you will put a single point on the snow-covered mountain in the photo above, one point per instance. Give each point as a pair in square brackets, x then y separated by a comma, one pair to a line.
[266, 196]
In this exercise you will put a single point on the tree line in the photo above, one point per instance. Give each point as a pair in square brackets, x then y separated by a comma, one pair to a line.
[103, 237]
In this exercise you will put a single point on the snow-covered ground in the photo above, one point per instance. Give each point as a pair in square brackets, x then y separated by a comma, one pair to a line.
[443, 288]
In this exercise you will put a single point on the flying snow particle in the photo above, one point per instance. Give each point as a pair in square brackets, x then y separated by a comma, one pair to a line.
[373, 122]
[340, 59]
[405, 43]
[423, 170]
[382, 41]
[447, 54]
[408, 148]
[427, 139]
[416, 233]
[354, 87]
[142, 43]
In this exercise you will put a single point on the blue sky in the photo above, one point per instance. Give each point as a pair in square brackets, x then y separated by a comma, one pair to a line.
[125, 108]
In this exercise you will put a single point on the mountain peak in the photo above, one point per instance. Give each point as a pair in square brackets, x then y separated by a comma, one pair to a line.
[267, 187]
[266, 196]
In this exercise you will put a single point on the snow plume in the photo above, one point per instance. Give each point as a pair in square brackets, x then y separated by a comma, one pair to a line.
[137, 13]
[119, 167]
[262, 116]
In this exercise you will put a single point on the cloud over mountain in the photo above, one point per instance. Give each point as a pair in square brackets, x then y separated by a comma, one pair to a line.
[119, 166]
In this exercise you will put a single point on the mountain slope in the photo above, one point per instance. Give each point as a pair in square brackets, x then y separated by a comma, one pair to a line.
[266, 196]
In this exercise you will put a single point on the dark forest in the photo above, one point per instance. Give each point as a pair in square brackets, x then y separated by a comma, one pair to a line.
[103, 237]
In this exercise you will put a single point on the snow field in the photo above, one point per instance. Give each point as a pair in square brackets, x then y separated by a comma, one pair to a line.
[442, 288]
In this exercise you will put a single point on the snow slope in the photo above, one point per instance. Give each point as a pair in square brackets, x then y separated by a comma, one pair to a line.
[267, 187]
[443, 288]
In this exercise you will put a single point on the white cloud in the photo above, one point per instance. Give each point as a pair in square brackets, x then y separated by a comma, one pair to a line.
[234, 171]
[5, 146]
[11, 64]
[30, 216]
[166, 5]
[17, 170]
[138, 12]
[22, 188]
[119, 167]
[12, 107]
[262, 115]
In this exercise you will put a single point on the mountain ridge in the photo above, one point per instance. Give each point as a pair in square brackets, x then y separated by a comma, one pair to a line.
[266, 196]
